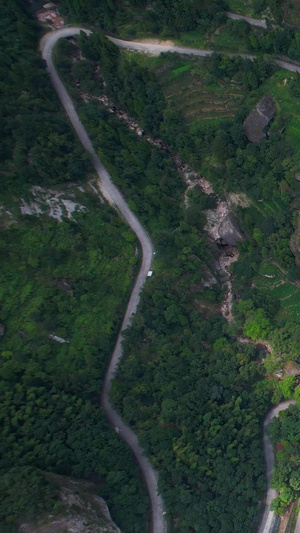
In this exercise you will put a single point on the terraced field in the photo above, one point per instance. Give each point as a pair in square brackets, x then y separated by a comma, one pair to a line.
[184, 86]
[271, 279]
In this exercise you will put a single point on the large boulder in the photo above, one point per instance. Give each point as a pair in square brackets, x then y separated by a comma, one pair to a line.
[229, 231]
[258, 119]
[80, 510]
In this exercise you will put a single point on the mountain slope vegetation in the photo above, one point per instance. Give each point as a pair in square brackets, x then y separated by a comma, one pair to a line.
[193, 393]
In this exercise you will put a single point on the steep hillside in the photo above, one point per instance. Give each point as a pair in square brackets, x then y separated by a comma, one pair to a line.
[77, 508]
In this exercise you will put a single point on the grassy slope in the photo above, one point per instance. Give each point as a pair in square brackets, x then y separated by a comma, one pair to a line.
[185, 86]
[187, 90]
[287, 293]
[242, 7]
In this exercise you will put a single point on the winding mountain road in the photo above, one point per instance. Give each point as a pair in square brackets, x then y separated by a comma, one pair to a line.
[268, 518]
[158, 48]
[115, 198]
[250, 20]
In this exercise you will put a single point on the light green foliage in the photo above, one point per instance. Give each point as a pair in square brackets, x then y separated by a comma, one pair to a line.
[71, 279]
[257, 327]
[271, 280]
[282, 86]
[285, 429]
[287, 386]
[295, 481]
[297, 395]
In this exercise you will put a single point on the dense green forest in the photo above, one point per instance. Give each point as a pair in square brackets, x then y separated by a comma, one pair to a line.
[69, 279]
[34, 130]
[186, 350]
[165, 16]
[196, 23]
[286, 477]
[195, 396]
[55, 280]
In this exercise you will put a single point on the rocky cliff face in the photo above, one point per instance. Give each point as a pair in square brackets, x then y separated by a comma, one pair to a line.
[222, 225]
[229, 231]
[258, 119]
[79, 510]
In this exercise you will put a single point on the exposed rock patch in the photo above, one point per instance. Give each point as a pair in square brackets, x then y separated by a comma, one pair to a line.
[228, 256]
[190, 177]
[291, 368]
[241, 199]
[262, 343]
[50, 202]
[54, 337]
[6, 218]
[258, 119]
[222, 225]
[229, 231]
[81, 510]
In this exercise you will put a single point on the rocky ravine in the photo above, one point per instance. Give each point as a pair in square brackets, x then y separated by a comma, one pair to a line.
[218, 220]
[221, 225]
[224, 230]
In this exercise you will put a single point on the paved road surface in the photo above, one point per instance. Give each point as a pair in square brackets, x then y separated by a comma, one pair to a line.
[269, 516]
[253, 22]
[114, 197]
[156, 48]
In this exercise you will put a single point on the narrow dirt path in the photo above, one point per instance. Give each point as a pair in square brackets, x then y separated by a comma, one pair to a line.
[114, 197]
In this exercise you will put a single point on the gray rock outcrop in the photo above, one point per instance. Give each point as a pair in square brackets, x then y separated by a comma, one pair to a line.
[229, 232]
[81, 510]
[258, 119]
